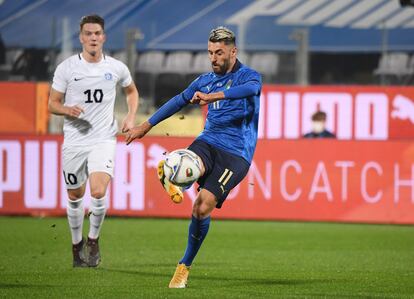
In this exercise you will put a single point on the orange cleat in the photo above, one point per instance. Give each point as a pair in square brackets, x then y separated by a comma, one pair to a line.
[175, 192]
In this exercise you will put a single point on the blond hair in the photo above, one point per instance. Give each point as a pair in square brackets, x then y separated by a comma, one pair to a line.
[222, 34]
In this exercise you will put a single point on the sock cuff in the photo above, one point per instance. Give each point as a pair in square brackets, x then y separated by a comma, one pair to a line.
[75, 210]
[98, 203]
[75, 204]
[202, 220]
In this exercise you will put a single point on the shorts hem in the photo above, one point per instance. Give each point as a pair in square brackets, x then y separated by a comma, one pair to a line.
[101, 170]
[73, 187]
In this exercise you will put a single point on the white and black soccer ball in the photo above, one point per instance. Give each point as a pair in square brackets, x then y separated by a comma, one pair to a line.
[182, 167]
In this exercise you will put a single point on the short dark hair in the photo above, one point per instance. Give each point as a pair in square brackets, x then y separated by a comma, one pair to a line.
[319, 116]
[222, 34]
[94, 19]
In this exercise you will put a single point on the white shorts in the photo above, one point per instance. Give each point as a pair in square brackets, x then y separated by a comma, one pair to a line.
[80, 161]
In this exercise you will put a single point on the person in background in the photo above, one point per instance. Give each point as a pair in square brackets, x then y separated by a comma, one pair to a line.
[318, 127]
[86, 83]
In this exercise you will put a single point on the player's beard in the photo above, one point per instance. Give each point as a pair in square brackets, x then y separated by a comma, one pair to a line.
[224, 67]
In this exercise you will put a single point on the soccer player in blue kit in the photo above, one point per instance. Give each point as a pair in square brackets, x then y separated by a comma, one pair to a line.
[227, 143]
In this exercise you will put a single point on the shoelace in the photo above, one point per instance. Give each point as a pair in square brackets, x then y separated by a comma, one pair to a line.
[180, 274]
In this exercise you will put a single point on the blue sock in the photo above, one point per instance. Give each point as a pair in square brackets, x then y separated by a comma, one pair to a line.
[196, 234]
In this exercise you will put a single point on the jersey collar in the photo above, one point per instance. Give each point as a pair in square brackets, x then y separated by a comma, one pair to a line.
[103, 57]
[236, 66]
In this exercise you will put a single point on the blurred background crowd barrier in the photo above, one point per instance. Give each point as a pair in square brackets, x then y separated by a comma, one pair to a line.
[353, 59]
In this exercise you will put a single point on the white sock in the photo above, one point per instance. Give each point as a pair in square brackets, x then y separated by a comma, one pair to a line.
[96, 217]
[75, 213]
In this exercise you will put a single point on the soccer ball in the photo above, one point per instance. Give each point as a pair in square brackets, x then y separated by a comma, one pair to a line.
[182, 167]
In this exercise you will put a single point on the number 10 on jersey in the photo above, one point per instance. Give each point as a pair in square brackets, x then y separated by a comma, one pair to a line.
[96, 94]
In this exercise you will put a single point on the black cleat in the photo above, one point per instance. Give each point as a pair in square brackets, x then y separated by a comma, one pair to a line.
[79, 254]
[92, 249]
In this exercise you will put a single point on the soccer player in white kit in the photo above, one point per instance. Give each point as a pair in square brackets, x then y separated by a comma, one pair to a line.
[84, 91]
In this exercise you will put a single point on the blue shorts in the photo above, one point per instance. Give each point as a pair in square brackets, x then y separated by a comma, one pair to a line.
[223, 171]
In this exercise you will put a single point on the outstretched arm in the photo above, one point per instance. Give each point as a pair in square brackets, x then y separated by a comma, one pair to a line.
[172, 106]
[169, 108]
[138, 132]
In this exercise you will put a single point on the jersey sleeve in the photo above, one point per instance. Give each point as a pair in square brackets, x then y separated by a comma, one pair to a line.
[125, 78]
[60, 78]
[251, 84]
[188, 93]
[251, 77]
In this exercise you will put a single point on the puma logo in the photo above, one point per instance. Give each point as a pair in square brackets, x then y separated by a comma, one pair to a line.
[198, 239]
[403, 108]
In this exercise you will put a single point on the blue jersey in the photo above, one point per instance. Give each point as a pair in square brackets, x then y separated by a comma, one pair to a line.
[323, 134]
[232, 122]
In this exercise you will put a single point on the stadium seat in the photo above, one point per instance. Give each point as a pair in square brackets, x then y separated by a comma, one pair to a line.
[120, 55]
[286, 70]
[151, 62]
[173, 77]
[244, 58]
[201, 63]
[409, 78]
[393, 64]
[12, 55]
[410, 67]
[265, 63]
[179, 62]
[62, 56]
[31, 65]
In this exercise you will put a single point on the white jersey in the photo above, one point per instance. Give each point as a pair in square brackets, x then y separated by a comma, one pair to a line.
[93, 87]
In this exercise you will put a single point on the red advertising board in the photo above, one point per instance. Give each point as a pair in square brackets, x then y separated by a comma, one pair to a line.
[354, 112]
[23, 107]
[18, 107]
[310, 180]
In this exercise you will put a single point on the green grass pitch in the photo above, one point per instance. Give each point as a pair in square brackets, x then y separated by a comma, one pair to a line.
[239, 259]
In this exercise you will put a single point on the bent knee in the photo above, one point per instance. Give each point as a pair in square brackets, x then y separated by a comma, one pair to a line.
[98, 192]
[204, 205]
[74, 197]
[75, 194]
[201, 213]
